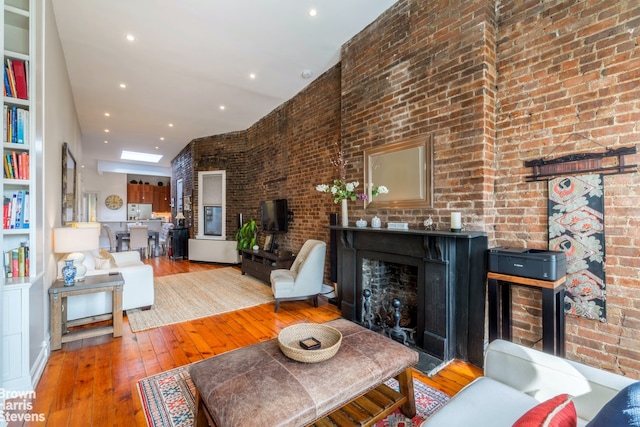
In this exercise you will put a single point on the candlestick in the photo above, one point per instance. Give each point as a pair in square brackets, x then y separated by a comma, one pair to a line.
[456, 222]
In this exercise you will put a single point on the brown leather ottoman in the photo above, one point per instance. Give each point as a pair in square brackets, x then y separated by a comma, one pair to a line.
[259, 386]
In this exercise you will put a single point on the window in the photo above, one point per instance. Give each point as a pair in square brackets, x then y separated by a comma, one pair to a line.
[211, 205]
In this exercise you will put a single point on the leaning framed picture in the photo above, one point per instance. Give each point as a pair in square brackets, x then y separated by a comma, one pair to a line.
[268, 242]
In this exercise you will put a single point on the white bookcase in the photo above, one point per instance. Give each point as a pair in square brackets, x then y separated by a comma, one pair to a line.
[17, 43]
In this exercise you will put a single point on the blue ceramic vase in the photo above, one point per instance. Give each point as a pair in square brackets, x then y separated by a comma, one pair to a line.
[69, 273]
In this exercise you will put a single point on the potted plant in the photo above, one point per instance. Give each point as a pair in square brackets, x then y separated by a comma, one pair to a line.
[246, 235]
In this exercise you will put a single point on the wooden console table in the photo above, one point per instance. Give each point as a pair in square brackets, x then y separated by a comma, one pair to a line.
[553, 324]
[58, 294]
[260, 263]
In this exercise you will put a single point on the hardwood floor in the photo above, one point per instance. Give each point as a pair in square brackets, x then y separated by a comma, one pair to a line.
[93, 382]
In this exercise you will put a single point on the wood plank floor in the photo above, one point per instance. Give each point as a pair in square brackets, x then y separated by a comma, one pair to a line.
[93, 382]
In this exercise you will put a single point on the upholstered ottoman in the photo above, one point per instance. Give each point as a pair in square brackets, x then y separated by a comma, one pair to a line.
[259, 386]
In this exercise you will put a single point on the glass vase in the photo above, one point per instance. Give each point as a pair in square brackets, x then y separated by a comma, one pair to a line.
[345, 216]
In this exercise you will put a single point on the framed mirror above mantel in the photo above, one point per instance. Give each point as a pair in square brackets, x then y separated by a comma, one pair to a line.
[69, 186]
[406, 169]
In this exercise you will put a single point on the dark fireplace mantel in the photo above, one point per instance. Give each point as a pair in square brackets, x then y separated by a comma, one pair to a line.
[451, 283]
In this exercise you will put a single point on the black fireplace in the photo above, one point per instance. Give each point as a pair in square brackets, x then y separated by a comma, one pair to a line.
[449, 271]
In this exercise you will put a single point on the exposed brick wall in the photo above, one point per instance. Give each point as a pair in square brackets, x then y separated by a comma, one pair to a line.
[570, 67]
[495, 84]
[283, 155]
[182, 168]
[426, 68]
[226, 152]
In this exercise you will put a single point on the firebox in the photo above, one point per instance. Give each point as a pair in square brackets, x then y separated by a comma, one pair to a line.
[449, 271]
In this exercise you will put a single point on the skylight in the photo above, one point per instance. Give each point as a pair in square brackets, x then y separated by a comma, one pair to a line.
[140, 157]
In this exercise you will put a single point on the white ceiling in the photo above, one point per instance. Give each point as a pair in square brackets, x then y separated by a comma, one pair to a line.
[189, 58]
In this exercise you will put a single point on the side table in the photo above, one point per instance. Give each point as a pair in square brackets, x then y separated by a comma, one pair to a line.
[553, 325]
[179, 243]
[58, 294]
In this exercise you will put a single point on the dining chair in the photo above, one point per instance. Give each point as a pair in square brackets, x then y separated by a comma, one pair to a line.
[164, 236]
[111, 236]
[139, 239]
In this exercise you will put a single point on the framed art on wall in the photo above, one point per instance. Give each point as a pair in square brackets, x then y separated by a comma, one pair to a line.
[406, 169]
[268, 243]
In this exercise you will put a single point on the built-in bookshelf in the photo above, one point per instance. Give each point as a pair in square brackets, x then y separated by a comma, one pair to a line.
[17, 235]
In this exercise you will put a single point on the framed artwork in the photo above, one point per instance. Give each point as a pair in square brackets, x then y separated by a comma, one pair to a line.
[69, 184]
[268, 242]
[406, 169]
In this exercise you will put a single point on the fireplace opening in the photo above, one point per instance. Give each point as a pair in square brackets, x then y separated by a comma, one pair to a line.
[390, 299]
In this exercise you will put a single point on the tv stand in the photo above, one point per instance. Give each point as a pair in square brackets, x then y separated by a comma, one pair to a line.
[260, 263]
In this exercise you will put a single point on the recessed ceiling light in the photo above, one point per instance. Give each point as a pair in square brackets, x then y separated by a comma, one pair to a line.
[106, 131]
[306, 74]
[122, 85]
[161, 139]
[170, 125]
[252, 76]
[107, 115]
[106, 142]
[313, 12]
[131, 37]
[157, 148]
[222, 107]
[140, 157]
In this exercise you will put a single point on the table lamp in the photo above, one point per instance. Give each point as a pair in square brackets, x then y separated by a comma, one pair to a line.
[72, 241]
[180, 217]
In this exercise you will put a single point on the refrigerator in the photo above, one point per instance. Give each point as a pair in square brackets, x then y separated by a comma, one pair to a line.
[137, 211]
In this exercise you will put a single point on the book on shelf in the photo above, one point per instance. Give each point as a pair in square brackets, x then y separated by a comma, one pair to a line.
[16, 261]
[21, 79]
[7, 86]
[15, 124]
[16, 78]
[15, 210]
[16, 165]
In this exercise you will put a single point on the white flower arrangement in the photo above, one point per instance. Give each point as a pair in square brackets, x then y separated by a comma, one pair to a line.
[343, 190]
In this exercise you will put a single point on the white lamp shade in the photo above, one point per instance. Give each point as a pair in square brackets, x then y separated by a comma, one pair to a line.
[75, 239]
[180, 216]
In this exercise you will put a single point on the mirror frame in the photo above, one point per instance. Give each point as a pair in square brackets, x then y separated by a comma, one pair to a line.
[416, 180]
[69, 196]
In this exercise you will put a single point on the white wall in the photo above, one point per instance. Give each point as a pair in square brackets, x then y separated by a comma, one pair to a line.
[56, 123]
[104, 185]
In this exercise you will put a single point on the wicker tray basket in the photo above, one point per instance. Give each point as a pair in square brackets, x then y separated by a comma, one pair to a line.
[289, 340]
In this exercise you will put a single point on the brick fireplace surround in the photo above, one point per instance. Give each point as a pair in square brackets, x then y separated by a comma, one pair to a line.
[451, 273]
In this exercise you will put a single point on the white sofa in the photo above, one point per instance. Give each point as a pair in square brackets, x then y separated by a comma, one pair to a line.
[138, 285]
[516, 379]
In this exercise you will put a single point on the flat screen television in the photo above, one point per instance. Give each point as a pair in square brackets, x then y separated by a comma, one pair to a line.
[274, 215]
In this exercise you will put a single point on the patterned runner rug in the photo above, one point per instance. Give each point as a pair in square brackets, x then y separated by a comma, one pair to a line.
[168, 400]
[188, 296]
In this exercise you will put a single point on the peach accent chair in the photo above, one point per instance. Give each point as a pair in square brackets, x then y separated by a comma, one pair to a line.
[304, 279]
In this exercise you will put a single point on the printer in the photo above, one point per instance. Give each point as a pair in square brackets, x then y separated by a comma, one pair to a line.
[530, 263]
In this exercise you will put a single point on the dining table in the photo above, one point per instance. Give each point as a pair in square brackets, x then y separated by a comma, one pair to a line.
[125, 236]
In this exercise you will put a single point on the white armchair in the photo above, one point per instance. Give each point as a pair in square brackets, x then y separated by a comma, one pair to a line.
[304, 279]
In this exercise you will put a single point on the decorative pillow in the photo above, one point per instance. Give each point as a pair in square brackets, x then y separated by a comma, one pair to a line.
[105, 261]
[621, 411]
[558, 411]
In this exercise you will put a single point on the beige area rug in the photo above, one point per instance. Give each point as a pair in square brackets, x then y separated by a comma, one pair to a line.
[188, 296]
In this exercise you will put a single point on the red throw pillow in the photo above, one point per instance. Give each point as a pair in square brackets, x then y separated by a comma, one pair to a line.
[555, 412]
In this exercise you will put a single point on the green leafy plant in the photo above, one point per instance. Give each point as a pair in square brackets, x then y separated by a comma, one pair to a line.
[246, 235]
